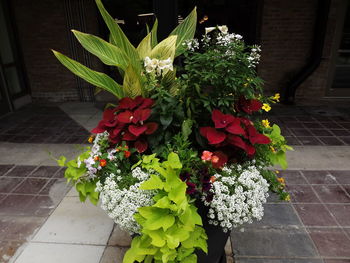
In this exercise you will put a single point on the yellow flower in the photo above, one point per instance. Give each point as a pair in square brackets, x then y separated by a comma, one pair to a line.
[272, 149]
[266, 107]
[266, 123]
[91, 139]
[287, 198]
[245, 85]
[277, 97]
[281, 180]
[277, 172]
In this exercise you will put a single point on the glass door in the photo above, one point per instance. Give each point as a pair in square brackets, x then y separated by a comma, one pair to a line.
[11, 74]
[340, 86]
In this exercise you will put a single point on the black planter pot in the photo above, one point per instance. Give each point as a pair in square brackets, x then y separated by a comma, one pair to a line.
[216, 239]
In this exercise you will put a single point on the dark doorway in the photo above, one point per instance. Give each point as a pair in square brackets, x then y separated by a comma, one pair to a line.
[342, 65]
[241, 16]
[12, 84]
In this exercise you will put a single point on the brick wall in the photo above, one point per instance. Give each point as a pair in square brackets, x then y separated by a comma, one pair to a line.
[42, 26]
[287, 33]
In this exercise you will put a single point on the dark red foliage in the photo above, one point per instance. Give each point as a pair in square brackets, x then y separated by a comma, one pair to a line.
[248, 106]
[191, 188]
[126, 122]
[222, 159]
[230, 131]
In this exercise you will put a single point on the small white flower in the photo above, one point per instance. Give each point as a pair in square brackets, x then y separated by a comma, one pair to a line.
[223, 29]
[209, 29]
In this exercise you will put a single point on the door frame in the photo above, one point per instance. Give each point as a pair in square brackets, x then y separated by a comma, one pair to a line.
[341, 15]
[22, 98]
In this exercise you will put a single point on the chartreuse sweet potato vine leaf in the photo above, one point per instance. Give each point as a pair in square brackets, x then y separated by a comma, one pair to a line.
[171, 228]
[121, 54]
[279, 147]
[74, 172]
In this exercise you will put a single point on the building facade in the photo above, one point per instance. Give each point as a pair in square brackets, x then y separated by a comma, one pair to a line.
[305, 44]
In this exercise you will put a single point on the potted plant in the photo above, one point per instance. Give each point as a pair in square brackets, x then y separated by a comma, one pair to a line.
[180, 158]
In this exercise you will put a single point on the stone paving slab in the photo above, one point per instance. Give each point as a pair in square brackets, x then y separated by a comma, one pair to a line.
[86, 114]
[281, 243]
[277, 260]
[36, 154]
[41, 124]
[319, 158]
[76, 223]
[313, 227]
[60, 253]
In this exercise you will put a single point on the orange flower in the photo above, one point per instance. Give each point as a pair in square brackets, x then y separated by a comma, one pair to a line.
[206, 155]
[214, 159]
[96, 158]
[127, 154]
[281, 180]
[91, 139]
[212, 179]
[103, 162]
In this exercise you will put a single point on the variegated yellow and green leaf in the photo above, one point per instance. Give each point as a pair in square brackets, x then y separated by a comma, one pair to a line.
[165, 49]
[132, 86]
[117, 36]
[109, 54]
[145, 47]
[185, 31]
[95, 78]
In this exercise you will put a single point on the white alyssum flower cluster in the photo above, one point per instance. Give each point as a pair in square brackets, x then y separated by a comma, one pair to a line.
[122, 204]
[227, 39]
[160, 67]
[95, 151]
[254, 56]
[238, 198]
[191, 44]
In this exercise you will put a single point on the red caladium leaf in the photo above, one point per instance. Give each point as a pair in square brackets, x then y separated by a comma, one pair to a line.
[128, 136]
[238, 142]
[141, 115]
[214, 136]
[151, 127]
[117, 131]
[146, 103]
[256, 137]
[108, 115]
[250, 150]
[249, 106]
[221, 161]
[125, 117]
[138, 100]
[100, 127]
[114, 140]
[221, 120]
[235, 127]
[246, 122]
[137, 130]
[126, 104]
[203, 131]
[141, 146]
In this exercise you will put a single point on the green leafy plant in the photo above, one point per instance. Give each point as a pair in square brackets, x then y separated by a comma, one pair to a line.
[120, 53]
[171, 228]
[76, 169]
[278, 147]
